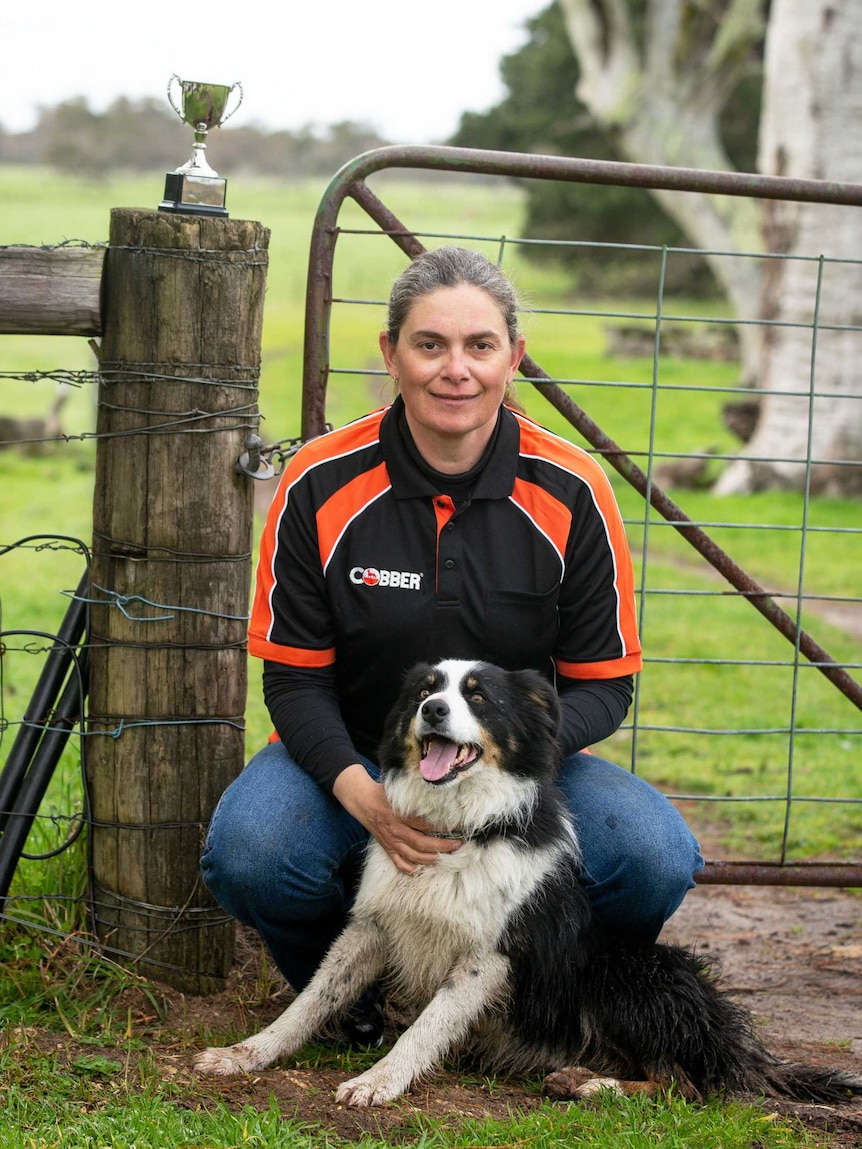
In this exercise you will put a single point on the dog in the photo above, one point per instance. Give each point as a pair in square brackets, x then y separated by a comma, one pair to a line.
[494, 946]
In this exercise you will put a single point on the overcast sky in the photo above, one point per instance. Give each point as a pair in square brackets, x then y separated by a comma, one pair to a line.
[408, 69]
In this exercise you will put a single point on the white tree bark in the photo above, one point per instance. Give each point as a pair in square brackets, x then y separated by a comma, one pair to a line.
[809, 129]
[663, 99]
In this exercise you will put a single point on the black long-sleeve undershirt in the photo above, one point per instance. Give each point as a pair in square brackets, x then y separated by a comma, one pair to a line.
[304, 708]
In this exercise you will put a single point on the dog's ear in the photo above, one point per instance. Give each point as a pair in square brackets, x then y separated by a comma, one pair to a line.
[544, 700]
[416, 674]
[393, 742]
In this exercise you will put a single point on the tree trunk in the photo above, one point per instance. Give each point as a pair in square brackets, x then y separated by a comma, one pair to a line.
[812, 106]
[662, 100]
[171, 574]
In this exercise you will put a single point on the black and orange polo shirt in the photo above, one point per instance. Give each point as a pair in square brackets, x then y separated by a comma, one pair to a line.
[366, 568]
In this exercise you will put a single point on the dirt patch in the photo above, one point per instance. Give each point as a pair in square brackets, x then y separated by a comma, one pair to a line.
[792, 957]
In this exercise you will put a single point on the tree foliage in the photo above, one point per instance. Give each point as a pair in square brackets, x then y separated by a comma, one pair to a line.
[145, 135]
[542, 114]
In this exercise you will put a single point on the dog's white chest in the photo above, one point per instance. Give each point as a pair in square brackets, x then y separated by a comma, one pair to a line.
[442, 913]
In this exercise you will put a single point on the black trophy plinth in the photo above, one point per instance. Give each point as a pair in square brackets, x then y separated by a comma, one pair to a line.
[188, 193]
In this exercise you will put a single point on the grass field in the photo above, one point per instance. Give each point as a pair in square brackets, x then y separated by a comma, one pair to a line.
[722, 707]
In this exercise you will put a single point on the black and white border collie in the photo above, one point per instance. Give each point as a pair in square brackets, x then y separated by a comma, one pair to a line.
[494, 946]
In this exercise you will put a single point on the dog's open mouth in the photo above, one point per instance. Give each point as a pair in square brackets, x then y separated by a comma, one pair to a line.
[442, 759]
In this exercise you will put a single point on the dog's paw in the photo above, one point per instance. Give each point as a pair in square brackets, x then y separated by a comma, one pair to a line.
[240, 1058]
[369, 1088]
[576, 1082]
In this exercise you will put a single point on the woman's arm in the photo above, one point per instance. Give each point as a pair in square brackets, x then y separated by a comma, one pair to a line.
[592, 709]
[303, 705]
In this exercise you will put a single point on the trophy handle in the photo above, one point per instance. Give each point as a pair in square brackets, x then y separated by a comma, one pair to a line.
[235, 108]
[171, 98]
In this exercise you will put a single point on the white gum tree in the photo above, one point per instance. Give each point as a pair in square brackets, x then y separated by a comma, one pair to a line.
[810, 378]
[660, 88]
[660, 84]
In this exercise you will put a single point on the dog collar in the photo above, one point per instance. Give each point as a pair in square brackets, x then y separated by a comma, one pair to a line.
[483, 836]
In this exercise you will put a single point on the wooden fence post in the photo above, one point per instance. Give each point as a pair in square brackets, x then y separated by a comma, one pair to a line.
[172, 540]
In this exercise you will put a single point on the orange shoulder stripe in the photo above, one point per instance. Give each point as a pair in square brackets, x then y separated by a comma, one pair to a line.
[550, 516]
[355, 436]
[539, 443]
[342, 507]
[289, 655]
[352, 437]
[630, 663]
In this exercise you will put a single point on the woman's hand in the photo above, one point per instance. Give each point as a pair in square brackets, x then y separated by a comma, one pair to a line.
[406, 842]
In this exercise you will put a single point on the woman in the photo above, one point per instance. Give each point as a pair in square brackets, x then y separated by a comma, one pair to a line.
[446, 525]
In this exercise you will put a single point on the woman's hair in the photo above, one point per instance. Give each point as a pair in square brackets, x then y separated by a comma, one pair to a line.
[450, 267]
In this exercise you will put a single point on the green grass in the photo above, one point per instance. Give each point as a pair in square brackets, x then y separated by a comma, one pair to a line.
[113, 1101]
[87, 1061]
[113, 1096]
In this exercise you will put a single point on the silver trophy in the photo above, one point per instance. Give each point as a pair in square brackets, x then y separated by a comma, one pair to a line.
[194, 188]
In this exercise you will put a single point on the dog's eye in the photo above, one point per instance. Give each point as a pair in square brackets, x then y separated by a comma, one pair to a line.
[423, 694]
[477, 696]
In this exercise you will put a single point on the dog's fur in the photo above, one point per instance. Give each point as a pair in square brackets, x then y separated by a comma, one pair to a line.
[494, 945]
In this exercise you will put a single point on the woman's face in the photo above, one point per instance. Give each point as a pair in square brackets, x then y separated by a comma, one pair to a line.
[453, 361]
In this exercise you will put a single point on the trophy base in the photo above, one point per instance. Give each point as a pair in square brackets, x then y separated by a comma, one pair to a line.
[189, 194]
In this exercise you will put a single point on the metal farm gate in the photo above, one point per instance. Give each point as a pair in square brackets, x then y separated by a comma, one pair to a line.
[777, 754]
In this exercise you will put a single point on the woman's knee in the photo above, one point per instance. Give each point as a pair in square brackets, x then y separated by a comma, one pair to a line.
[238, 859]
[278, 845]
[639, 855]
[652, 873]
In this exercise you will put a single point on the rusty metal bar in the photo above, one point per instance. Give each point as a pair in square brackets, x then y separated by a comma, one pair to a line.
[780, 874]
[377, 210]
[579, 170]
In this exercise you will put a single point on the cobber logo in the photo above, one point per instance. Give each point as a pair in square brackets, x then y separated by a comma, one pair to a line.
[371, 576]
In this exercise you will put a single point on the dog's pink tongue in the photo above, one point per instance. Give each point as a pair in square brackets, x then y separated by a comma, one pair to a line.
[439, 760]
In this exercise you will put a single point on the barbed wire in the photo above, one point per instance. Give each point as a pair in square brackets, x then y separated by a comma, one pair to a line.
[64, 376]
[233, 257]
[158, 421]
[60, 246]
[155, 552]
[103, 949]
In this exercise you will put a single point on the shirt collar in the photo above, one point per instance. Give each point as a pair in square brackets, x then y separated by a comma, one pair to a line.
[495, 481]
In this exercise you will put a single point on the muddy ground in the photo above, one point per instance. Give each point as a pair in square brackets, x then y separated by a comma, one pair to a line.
[793, 957]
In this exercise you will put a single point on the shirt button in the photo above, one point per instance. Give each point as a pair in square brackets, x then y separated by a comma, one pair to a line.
[450, 526]
[449, 564]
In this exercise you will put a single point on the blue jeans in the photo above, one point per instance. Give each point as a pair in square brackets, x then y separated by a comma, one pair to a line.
[283, 856]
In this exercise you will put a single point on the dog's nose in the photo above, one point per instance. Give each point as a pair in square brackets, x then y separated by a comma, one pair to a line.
[434, 710]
